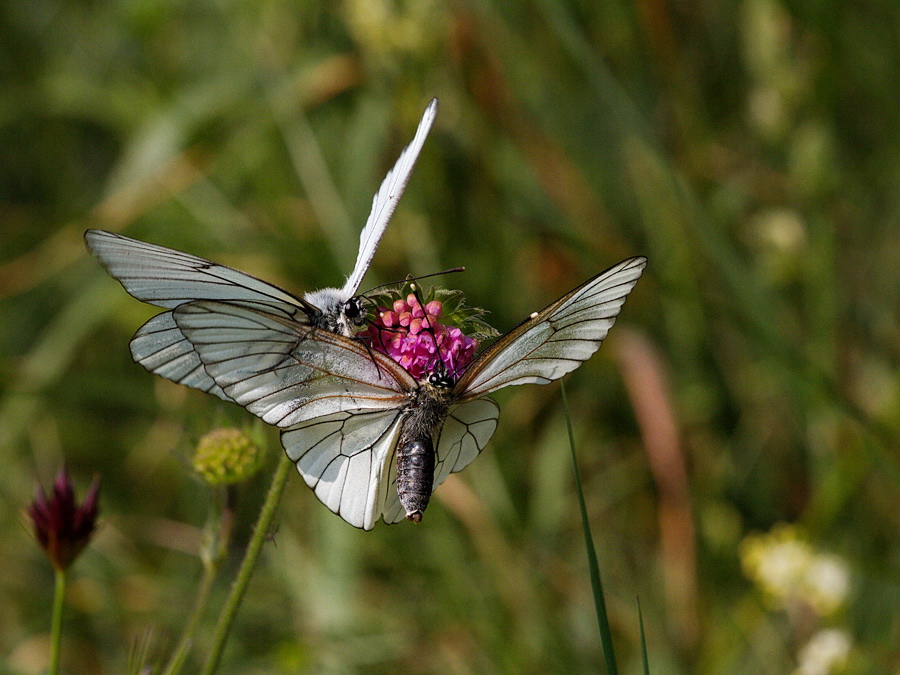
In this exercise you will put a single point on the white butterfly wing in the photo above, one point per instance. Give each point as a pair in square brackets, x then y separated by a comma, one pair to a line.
[168, 278]
[160, 347]
[346, 458]
[393, 509]
[558, 339]
[386, 199]
[466, 431]
[287, 372]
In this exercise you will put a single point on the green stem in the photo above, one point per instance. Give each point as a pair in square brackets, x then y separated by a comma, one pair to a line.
[246, 571]
[212, 556]
[187, 637]
[59, 595]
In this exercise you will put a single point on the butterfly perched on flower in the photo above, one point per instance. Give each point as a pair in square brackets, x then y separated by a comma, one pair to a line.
[168, 278]
[375, 425]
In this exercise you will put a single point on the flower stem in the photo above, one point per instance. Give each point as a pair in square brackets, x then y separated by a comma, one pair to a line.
[177, 660]
[59, 594]
[212, 556]
[246, 570]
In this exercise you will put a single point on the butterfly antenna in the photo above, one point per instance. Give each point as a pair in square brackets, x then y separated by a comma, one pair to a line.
[370, 301]
[438, 362]
[366, 340]
[409, 279]
[459, 372]
[455, 364]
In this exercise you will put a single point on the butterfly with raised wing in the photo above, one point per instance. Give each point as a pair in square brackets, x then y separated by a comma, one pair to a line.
[168, 278]
[370, 438]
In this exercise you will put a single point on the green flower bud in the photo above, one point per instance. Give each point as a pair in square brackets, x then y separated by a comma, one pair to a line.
[226, 456]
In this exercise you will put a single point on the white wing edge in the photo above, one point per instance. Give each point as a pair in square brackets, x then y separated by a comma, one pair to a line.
[386, 199]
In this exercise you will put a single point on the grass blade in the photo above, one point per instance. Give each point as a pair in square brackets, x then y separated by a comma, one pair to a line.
[596, 583]
[644, 659]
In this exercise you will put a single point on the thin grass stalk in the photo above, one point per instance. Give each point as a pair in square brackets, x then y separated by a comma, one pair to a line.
[210, 569]
[139, 655]
[644, 658]
[266, 515]
[596, 583]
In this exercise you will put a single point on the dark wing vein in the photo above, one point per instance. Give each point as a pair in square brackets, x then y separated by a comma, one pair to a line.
[345, 458]
[464, 435]
[286, 372]
[161, 348]
[167, 278]
[560, 337]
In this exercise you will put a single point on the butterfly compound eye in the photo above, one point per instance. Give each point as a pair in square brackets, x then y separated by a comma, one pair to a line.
[353, 310]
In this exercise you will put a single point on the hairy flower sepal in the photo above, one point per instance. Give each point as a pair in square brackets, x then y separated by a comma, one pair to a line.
[62, 527]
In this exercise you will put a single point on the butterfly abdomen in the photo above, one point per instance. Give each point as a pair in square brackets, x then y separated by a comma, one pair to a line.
[416, 456]
[415, 476]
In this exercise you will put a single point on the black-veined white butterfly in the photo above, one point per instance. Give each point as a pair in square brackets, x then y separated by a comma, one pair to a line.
[168, 278]
[370, 439]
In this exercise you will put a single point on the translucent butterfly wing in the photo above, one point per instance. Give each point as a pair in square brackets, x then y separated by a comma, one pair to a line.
[386, 199]
[287, 372]
[168, 278]
[393, 509]
[160, 347]
[558, 339]
[346, 458]
[466, 431]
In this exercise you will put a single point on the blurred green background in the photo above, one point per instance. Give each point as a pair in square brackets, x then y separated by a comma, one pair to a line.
[751, 149]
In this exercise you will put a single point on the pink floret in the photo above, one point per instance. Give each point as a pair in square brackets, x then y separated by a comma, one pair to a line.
[414, 338]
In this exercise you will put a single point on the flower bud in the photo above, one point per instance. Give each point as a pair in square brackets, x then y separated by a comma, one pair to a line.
[62, 527]
[226, 456]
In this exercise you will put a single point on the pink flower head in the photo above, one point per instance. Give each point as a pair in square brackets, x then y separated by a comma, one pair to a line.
[412, 336]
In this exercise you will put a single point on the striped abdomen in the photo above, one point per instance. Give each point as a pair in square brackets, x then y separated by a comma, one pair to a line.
[415, 475]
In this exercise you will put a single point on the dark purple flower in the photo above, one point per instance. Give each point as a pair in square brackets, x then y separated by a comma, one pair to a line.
[62, 527]
[412, 336]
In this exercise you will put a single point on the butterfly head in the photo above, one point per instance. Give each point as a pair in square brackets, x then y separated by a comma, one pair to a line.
[440, 377]
[337, 312]
[354, 311]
